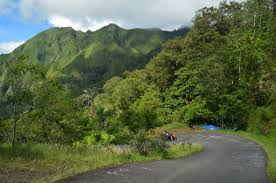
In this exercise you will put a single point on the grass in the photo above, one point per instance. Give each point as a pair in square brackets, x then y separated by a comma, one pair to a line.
[176, 127]
[48, 163]
[268, 143]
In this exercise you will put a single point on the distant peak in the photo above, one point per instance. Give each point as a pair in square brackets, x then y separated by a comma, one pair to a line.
[112, 26]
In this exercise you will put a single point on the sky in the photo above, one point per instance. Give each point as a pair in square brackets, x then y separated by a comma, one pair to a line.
[22, 19]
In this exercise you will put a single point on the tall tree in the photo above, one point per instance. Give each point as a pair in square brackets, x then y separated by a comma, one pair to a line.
[19, 79]
[274, 7]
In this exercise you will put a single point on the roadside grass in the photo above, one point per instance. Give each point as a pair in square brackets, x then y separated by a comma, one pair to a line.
[268, 143]
[48, 163]
[176, 127]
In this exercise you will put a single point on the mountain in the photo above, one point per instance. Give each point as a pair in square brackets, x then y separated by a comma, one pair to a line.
[88, 59]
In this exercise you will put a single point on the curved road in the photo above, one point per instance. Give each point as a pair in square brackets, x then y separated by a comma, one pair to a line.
[225, 159]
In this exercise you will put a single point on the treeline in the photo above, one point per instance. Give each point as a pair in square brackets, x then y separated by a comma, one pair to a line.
[36, 108]
[222, 72]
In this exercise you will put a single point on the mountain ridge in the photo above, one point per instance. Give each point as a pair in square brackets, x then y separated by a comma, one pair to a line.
[87, 59]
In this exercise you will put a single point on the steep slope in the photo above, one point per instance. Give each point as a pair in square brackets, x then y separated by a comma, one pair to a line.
[88, 59]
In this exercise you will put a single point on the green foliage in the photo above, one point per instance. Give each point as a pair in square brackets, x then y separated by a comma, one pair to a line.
[49, 162]
[97, 138]
[196, 110]
[126, 106]
[87, 59]
[222, 72]
[90, 140]
[145, 142]
[82, 61]
[219, 73]
[38, 109]
[264, 120]
[147, 112]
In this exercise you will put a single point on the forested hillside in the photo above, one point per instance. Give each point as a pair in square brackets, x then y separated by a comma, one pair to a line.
[87, 59]
[72, 101]
[222, 72]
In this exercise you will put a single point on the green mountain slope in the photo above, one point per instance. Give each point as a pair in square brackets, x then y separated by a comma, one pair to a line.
[88, 59]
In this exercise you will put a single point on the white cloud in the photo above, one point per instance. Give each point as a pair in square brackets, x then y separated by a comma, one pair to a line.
[7, 47]
[81, 24]
[92, 14]
[139, 13]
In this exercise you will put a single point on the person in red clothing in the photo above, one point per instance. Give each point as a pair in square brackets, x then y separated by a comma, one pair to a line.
[173, 136]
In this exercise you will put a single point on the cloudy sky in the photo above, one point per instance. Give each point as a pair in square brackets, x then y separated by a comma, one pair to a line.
[22, 19]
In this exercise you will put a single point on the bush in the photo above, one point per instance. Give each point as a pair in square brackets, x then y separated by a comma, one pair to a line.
[96, 138]
[145, 142]
[263, 120]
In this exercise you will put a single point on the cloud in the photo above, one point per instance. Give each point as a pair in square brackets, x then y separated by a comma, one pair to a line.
[92, 14]
[81, 24]
[6, 6]
[138, 13]
[8, 47]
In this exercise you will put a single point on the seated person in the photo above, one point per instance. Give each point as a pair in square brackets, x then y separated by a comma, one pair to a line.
[191, 126]
[171, 136]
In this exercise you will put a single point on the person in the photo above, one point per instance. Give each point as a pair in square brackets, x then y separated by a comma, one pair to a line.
[170, 136]
[173, 136]
[167, 134]
[191, 126]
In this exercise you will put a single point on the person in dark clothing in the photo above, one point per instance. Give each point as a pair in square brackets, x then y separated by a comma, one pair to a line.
[191, 126]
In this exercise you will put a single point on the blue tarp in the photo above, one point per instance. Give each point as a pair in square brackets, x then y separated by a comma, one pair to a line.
[210, 127]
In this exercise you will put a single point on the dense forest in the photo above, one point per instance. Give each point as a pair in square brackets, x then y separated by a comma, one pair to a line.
[222, 72]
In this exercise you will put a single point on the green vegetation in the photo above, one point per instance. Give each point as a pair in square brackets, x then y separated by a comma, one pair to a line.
[222, 72]
[47, 163]
[175, 125]
[268, 143]
[87, 59]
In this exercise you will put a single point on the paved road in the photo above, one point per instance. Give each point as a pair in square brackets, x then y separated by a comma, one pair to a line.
[225, 159]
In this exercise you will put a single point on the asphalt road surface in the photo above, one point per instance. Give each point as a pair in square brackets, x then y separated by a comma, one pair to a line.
[225, 159]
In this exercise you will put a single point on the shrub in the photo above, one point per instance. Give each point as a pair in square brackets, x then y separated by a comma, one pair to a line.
[145, 142]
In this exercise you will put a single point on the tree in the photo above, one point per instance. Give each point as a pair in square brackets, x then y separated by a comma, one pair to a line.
[144, 113]
[274, 7]
[56, 116]
[20, 79]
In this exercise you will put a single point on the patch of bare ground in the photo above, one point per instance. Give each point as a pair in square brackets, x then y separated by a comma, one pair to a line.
[21, 175]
